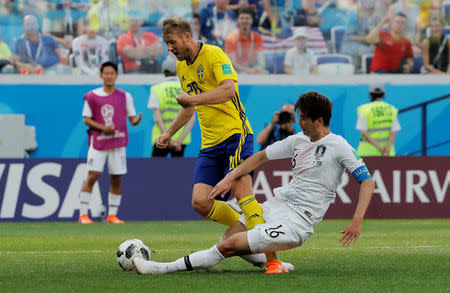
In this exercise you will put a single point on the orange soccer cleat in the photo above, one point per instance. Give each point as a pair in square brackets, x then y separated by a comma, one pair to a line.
[113, 219]
[84, 219]
[275, 267]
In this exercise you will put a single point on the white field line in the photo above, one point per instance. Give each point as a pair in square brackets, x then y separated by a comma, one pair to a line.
[190, 250]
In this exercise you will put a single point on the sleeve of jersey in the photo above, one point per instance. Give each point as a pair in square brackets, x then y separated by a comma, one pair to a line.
[222, 67]
[131, 111]
[281, 149]
[354, 163]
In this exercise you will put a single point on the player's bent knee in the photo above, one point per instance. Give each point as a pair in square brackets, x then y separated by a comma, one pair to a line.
[201, 206]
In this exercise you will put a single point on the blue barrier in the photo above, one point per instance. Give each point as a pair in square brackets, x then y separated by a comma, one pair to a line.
[56, 110]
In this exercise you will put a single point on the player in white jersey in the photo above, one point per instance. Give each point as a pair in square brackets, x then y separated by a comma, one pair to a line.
[319, 158]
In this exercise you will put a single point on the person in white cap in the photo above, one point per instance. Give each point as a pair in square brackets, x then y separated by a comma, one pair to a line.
[299, 60]
[165, 108]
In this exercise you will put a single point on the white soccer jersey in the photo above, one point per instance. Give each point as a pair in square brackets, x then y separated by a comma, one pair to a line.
[317, 167]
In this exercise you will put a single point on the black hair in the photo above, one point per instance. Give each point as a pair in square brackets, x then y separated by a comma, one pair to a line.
[401, 14]
[195, 15]
[315, 105]
[111, 64]
[246, 10]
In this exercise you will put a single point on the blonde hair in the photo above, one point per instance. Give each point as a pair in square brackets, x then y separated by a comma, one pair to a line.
[176, 24]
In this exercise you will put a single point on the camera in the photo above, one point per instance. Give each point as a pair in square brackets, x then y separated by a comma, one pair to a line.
[284, 117]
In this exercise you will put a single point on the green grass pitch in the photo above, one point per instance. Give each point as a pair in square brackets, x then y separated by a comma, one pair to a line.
[390, 256]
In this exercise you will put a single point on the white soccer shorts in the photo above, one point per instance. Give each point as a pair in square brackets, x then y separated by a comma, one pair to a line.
[117, 161]
[283, 229]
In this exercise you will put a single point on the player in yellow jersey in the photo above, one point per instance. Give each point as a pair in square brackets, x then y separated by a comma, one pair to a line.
[209, 86]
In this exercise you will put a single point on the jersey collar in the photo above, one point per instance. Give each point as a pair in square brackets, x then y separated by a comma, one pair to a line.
[193, 61]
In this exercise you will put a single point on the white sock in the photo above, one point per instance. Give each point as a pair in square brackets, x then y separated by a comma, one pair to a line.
[258, 260]
[85, 197]
[113, 203]
[198, 260]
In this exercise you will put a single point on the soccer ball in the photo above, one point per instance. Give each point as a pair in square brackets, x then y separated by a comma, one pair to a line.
[129, 250]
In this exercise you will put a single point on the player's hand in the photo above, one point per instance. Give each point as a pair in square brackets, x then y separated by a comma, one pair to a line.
[163, 141]
[221, 188]
[275, 118]
[351, 233]
[136, 119]
[109, 129]
[175, 145]
[183, 99]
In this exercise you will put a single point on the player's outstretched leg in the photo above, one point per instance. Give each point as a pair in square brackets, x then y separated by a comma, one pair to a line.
[195, 261]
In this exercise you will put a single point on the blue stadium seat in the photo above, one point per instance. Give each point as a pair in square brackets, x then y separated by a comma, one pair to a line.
[333, 58]
[337, 36]
[366, 60]
[337, 17]
[275, 63]
[418, 63]
[153, 29]
[447, 30]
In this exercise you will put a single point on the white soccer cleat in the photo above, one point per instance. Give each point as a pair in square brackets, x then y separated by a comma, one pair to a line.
[146, 267]
[290, 267]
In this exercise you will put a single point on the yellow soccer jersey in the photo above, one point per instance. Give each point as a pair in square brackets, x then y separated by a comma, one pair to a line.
[209, 69]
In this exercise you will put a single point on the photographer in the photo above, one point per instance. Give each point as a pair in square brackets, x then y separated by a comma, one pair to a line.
[280, 127]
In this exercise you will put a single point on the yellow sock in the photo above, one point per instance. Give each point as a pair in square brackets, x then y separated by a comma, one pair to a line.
[252, 211]
[222, 213]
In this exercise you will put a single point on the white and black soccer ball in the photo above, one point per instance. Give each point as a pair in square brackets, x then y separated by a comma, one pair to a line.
[129, 250]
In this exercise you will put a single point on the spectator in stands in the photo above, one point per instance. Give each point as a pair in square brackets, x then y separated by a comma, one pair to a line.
[355, 43]
[36, 52]
[436, 48]
[5, 58]
[378, 123]
[282, 126]
[90, 51]
[393, 51]
[139, 49]
[165, 109]
[275, 14]
[307, 14]
[7, 8]
[245, 47]
[216, 23]
[196, 28]
[412, 31]
[109, 18]
[298, 59]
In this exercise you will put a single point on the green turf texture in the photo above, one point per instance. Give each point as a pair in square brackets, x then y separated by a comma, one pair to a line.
[389, 256]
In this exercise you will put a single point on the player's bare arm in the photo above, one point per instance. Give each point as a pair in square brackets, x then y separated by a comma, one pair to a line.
[183, 116]
[224, 92]
[108, 129]
[351, 233]
[134, 120]
[245, 167]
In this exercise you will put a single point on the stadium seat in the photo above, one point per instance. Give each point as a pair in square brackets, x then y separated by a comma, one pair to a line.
[333, 58]
[337, 36]
[447, 30]
[335, 69]
[418, 63]
[366, 60]
[275, 63]
[153, 29]
[446, 7]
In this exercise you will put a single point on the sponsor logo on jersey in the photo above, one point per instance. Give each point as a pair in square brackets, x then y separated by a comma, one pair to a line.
[226, 69]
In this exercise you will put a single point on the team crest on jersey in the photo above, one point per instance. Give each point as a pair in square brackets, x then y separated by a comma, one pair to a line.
[200, 73]
[320, 151]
